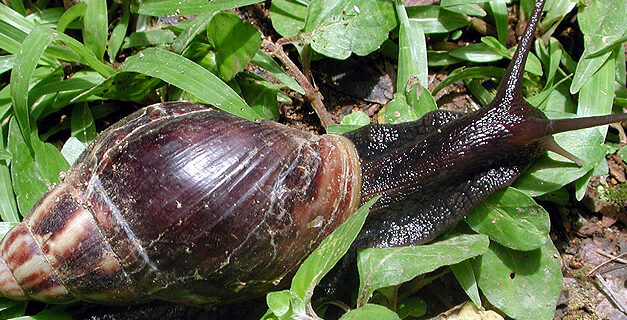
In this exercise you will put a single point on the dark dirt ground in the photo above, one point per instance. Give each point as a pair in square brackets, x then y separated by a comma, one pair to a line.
[589, 234]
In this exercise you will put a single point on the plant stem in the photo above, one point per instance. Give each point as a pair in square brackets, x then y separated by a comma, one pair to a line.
[311, 92]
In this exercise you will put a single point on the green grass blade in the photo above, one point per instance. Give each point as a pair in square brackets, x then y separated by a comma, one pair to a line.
[87, 55]
[265, 62]
[26, 61]
[198, 25]
[95, 27]
[117, 35]
[8, 207]
[472, 72]
[83, 127]
[15, 19]
[499, 11]
[189, 76]
[159, 8]
[6, 63]
[412, 51]
[75, 12]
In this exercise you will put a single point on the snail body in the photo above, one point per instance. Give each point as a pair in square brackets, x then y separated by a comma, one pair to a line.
[192, 205]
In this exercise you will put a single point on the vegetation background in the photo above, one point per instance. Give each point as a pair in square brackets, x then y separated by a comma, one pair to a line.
[68, 70]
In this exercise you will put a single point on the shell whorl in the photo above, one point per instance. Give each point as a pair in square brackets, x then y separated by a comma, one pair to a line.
[180, 203]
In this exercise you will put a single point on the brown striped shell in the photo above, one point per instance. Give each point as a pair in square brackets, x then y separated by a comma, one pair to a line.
[185, 204]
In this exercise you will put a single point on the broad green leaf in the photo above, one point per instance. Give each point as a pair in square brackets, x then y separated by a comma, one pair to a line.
[622, 152]
[288, 16]
[412, 306]
[119, 31]
[32, 176]
[435, 19]
[96, 27]
[555, 11]
[265, 62]
[412, 55]
[398, 110]
[384, 267]
[279, 302]
[236, 43]
[163, 8]
[261, 95]
[14, 309]
[602, 22]
[621, 66]
[149, 38]
[328, 253]
[596, 98]
[370, 311]
[187, 75]
[466, 277]
[511, 218]
[478, 52]
[83, 127]
[25, 63]
[523, 284]
[336, 28]
[358, 118]
[597, 94]
[75, 12]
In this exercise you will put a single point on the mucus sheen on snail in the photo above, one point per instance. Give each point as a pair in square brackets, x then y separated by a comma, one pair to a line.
[182, 203]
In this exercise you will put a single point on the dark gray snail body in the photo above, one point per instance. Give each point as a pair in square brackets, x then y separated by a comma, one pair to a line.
[196, 206]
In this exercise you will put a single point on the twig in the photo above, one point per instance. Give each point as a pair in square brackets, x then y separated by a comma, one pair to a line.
[310, 91]
[611, 295]
[612, 258]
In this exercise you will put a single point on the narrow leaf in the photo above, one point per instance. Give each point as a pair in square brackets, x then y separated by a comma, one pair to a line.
[164, 8]
[95, 27]
[189, 76]
[328, 253]
[117, 35]
[75, 12]
[25, 63]
[412, 58]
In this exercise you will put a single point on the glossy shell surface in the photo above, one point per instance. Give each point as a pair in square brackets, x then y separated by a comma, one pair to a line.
[181, 203]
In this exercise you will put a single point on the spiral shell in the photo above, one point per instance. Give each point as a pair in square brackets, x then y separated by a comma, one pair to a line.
[181, 203]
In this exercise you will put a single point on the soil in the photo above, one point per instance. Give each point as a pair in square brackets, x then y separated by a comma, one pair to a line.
[588, 234]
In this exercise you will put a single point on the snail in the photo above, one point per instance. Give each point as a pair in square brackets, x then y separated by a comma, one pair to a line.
[181, 203]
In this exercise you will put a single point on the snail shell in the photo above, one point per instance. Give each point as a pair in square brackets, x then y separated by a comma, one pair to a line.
[182, 203]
